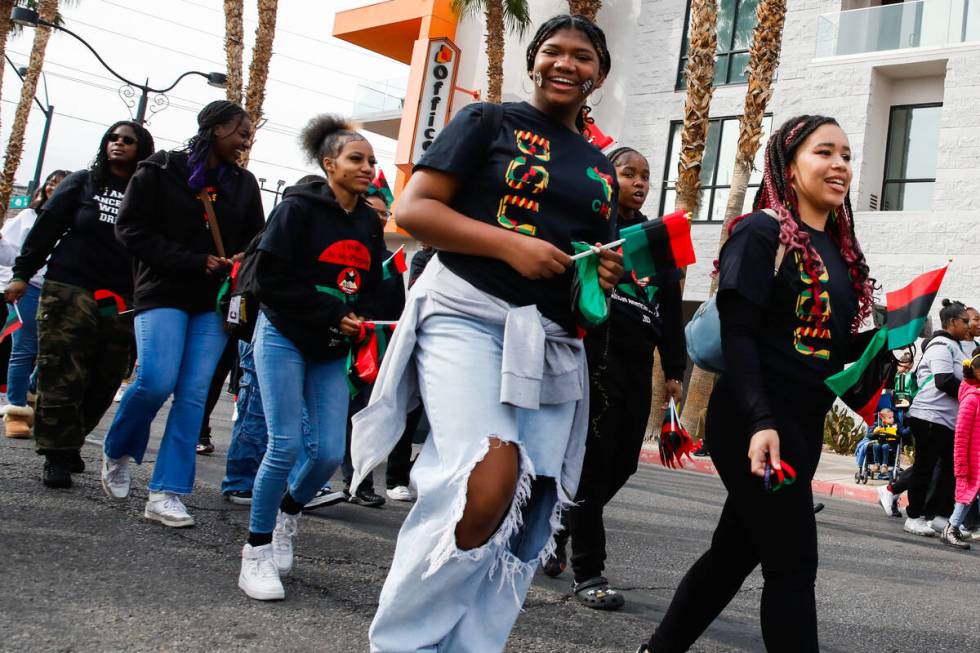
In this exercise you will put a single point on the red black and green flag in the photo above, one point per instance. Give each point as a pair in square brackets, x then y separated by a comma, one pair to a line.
[395, 264]
[109, 303]
[13, 322]
[675, 443]
[861, 385]
[380, 188]
[909, 307]
[589, 302]
[364, 359]
[658, 245]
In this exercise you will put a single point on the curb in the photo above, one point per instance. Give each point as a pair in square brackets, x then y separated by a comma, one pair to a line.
[849, 492]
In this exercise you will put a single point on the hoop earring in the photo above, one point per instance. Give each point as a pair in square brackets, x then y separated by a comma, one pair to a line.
[527, 91]
[596, 101]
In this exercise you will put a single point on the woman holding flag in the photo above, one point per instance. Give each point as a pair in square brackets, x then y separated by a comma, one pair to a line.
[784, 330]
[84, 327]
[489, 340]
[319, 267]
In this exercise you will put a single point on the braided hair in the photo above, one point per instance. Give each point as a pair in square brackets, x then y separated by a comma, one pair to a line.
[620, 152]
[144, 148]
[777, 193]
[595, 35]
[325, 136]
[198, 147]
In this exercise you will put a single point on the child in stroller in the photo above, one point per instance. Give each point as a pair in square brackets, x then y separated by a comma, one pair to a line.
[884, 440]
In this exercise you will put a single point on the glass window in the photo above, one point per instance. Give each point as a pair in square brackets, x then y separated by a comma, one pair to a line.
[910, 158]
[736, 21]
[717, 166]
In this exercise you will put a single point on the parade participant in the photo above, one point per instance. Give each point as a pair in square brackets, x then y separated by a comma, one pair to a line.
[179, 206]
[318, 270]
[85, 333]
[932, 418]
[646, 314]
[24, 345]
[782, 336]
[488, 340]
[966, 452]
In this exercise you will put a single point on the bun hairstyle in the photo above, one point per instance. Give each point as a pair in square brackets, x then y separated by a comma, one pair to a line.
[325, 136]
[951, 310]
[970, 366]
[595, 35]
[777, 193]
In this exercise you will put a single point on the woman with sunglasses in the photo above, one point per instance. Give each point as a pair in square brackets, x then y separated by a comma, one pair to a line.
[22, 350]
[179, 206]
[85, 332]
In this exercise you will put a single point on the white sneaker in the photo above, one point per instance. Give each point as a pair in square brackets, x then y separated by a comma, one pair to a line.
[167, 509]
[886, 499]
[120, 392]
[259, 577]
[116, 478]
[919, 526]
[401, 493]
[282, 541]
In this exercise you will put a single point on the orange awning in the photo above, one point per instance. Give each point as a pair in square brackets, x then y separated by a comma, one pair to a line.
[391, 28]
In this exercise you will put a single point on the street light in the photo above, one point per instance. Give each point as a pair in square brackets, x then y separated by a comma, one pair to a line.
[48, 115]
[26, 17]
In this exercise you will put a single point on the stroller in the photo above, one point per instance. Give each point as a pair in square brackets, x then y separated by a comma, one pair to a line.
[895, 437]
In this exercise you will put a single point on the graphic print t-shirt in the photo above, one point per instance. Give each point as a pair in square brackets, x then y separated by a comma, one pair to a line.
[82, 215]
[535, 177]
[806, 334]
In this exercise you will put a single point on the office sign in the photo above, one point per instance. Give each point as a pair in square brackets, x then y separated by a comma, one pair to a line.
[438, 80]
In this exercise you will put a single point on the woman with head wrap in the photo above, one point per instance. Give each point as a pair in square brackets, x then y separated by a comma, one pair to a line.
[164, 223]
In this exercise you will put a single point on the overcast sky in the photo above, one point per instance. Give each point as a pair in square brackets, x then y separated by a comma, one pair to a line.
[311, 72]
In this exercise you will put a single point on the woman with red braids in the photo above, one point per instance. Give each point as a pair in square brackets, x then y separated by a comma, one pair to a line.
[784, 330]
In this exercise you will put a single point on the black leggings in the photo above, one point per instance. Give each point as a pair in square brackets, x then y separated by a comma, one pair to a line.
[774, 529]
[932, 483]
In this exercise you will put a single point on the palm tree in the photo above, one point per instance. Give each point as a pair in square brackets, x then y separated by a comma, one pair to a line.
[6, 6]
[234, 44]
[763, 61]
[47, 10]
[502, 16]
[258, 71]
[587, 8]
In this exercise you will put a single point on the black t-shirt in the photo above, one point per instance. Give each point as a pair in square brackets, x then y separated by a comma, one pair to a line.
[805, 333]
[533, 176]
[324, 264]
[81, 218]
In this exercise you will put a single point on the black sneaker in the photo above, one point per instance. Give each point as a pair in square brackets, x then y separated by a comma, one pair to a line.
[75, 463]
[556, 563]
[57, 472]
[239, 497]
[325, 497]
[204, 445]
[951, 536]
[365, 497]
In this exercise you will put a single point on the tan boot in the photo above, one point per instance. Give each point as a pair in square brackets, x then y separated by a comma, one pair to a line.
[18, 421]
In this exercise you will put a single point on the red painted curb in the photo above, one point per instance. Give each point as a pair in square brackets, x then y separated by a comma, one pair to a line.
[862, 493]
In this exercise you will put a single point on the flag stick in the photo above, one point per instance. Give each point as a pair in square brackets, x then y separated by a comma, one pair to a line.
[392, 257]
[17, 311]
[381, 322]
[595, 250]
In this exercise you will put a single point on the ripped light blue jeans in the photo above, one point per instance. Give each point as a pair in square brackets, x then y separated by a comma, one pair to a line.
[438, 597]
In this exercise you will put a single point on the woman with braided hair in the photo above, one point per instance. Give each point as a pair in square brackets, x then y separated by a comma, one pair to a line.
[165, 222]
[490, 342]
[782, 335]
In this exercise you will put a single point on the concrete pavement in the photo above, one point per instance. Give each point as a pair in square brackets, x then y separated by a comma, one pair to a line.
[81, 573]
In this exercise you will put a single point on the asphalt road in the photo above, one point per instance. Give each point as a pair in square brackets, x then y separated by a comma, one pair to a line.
[82, 574]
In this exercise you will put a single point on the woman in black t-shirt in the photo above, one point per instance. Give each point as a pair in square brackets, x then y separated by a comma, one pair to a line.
[318, 272]
[85, 331]
[490, 335]
[782, 336]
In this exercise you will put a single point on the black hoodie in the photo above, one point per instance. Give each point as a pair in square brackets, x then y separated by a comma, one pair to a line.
[162, 224]
[317, 263]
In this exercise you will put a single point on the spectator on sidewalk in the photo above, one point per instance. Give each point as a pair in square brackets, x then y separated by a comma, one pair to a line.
[85, 330]
[932, 418]
[882, 439]
[24, 340]
[966, 452]
[166, 223]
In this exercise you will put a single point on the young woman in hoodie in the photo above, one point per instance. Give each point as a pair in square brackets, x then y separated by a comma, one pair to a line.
[85, 333]
[318, 269]
[164, 224]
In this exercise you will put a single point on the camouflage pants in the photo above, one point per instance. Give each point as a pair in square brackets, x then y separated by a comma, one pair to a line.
[82, 357]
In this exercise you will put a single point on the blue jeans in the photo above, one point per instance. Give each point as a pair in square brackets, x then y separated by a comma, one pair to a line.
[323, 387]
[249, 434]
[24, 348]
[177, 355]
[881, 453]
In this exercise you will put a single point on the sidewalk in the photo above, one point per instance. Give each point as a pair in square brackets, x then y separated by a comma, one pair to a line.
[834, 477]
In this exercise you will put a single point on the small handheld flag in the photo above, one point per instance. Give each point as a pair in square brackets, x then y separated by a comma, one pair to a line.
[12, 323]
[589, 301]
[395, 264]
[909, 307]
[380, 188]
[109, 303]
[861, 385]
[675, 443]
[364, 359]
[658, 245]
